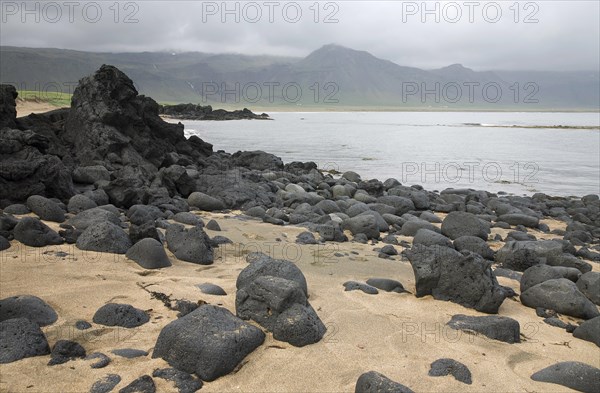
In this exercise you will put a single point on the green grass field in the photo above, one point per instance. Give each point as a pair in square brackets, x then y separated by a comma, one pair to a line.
[51, 97]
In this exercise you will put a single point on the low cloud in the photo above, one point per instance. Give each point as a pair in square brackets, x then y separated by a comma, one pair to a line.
[508, 35]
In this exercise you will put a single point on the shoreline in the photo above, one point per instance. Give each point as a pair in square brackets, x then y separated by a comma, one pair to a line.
[25, 107]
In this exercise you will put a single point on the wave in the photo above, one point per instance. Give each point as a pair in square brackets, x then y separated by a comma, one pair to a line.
[559, 127]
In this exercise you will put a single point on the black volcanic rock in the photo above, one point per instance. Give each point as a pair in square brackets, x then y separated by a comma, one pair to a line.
[498, 328]
[46, 209]
[106, 384]
[206, 112]
[374, 382]
[190, 245]
[561, 295]
[443, 367]
[8, 106]
[65, 350]
[31, 157]
[21, 338]
[108, 116]
[144, 384]
[27, 306]
[26, 169]
[104, 237]
[184, 382]
[34, 233]
[589, 331]
[125, 315]
[113, 138]
[575, 375]
[210, 342]
[447, 274]
[264, 265]
[149, 254]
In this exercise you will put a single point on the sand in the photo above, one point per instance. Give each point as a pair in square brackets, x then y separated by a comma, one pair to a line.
[395, 334]
[29, 106]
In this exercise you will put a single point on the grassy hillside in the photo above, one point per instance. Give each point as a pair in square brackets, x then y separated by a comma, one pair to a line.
[57, 99]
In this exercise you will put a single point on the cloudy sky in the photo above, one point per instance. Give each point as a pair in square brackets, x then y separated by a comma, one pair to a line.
[527, 35]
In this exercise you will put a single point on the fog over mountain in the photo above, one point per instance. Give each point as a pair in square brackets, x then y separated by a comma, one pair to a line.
[511, 35]
[332, 76]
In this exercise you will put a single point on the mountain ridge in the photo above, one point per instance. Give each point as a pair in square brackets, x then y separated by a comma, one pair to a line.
[331, 77]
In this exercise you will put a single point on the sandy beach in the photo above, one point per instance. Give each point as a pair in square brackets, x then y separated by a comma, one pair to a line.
[29, 106]
[395, 334]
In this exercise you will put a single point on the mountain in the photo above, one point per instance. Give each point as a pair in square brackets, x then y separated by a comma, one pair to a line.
[332, 77]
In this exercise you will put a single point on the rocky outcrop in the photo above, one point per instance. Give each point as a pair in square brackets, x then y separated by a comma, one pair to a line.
[109, 120]
[26, 169]
[206, 112]
[8, 106]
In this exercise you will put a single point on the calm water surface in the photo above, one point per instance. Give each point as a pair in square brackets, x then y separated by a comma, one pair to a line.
[435, 149]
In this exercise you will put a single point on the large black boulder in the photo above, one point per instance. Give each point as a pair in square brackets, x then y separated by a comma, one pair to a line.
[474, 244]
[263, 265]
[104, 237]
[141, 214]
[258, 160]
[539, 273]
[365, 224]
[45, 208]
[562, 296]
[236, 188]
[498, 328]
[79, 203]
[124, 315]
[93, 217]
[21, 338]
[521, 255]
[299, 325]
[427, 237]
[209, 341]
[457, 224]
[449, 275]
[34, 233]
[575, 375]
[205, 202]
[27, 306]
[65, 350]
[589, 331]
[589, 285]
[149, 253]
[266, 297]
[190, 245]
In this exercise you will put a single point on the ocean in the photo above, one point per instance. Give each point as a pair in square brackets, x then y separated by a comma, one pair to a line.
[519, 153]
